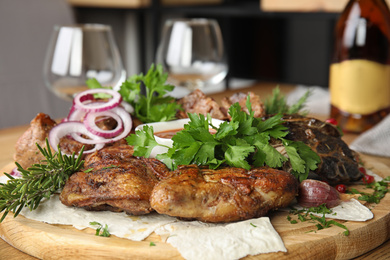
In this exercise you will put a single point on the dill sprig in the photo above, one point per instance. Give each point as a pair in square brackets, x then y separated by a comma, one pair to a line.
[277, 103]
[38, 181]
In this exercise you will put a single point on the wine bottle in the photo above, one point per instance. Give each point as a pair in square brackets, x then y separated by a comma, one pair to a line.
[359, 80]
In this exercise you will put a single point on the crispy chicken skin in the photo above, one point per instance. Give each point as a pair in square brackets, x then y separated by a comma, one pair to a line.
[113, 179]
[224, 195]
[26, 151]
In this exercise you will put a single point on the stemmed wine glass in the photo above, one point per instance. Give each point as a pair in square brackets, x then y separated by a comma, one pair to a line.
[192, 52]
[77, 53]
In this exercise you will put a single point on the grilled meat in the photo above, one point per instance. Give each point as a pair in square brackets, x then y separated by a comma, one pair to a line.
[240, 98]
[224, 195]
[198, 102]
[26, 151]
[338, 162]
[113, 179]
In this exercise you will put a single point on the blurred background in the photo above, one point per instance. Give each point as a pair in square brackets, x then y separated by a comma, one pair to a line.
[268, 41]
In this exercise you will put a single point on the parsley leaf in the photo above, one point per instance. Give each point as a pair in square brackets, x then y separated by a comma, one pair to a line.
[154, 105]
[143, 141]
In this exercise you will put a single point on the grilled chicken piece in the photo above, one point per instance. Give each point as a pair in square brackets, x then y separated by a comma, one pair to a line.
[198, 102]
[26, 151]
[257, 104]
[113, 179]
[224, 195]
[338, 162]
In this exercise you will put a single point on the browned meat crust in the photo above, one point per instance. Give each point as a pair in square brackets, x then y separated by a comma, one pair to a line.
[26, 151]
[257, 104]
[338, 162]
[198, 102]
[225, 195]
[113, 179]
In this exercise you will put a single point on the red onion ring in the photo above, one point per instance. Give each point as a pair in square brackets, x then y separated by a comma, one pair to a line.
[79, 100]
[127, 125]
[90, 124]
[73, 128]
[81, 120]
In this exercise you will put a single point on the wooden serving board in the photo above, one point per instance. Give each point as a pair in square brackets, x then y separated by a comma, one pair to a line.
[64, 242]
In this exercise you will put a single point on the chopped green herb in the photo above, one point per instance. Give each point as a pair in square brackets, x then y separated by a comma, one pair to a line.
[100, 230]
[321, 222]
[380, 189]
[110, 167]
[152, 244]
[253, 225]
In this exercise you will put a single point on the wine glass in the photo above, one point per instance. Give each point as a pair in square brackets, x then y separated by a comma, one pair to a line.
[192, 52]
[77, 53]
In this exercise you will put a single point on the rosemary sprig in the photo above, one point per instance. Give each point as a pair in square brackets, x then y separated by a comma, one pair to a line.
[37, 182]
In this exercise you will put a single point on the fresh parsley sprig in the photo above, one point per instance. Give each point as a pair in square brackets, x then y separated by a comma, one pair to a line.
[38, 181]
[154, 105]
[243, 142]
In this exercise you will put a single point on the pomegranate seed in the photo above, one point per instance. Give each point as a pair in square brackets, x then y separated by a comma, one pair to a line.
[363, 170]
[341, 188]
[368, 179]
[331, 121]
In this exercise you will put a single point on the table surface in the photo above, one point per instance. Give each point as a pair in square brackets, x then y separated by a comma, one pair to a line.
[9, 136]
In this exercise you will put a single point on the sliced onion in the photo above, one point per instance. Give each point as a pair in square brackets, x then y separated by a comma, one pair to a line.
[73, 128]
[82, 119]
[313, 193]
[127, 125]
[90, 124]
[79, 100]
[129, 108]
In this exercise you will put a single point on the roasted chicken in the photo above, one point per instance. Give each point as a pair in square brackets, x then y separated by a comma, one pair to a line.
[113, 179]
[224, 195]
[26, 150]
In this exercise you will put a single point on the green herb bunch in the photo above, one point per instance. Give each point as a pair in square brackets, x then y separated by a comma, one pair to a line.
[38, 181]
[243, 142]
[155, 105]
